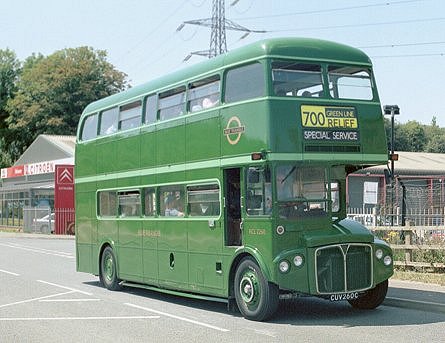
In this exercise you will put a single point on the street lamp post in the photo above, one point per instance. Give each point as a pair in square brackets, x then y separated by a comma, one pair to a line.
[392, 110]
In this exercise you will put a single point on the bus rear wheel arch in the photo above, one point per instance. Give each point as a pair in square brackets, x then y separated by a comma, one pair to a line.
[108, 269]
[257, 299]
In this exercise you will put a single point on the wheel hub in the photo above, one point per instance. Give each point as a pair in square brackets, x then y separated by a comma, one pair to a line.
[249, 288]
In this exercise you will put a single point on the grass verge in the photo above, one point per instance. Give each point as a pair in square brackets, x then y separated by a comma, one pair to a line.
[418, 276]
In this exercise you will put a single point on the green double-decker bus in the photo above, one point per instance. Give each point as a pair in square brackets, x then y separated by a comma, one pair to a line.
[227, 180]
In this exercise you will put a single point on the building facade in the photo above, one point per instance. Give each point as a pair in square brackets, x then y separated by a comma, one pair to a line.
[30, 182]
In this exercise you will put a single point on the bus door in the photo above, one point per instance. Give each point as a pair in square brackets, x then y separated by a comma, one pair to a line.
[232, 207]
[256, 196]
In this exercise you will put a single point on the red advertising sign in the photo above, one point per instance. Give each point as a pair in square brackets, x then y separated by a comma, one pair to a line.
[16, 171]
[64, 198]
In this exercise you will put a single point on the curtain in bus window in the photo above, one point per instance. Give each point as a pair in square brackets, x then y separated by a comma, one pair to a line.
[244, 83]
[297, 79]
[349, 82]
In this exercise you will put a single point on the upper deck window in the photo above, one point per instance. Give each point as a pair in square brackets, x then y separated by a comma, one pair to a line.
[245, 82]
[203, 94]
[349, 82]
[171, 103]
[130, 115]
[89, 128]
[296, 79]
[108, 121]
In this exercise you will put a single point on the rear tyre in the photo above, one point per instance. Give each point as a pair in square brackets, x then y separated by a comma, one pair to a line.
[257, 299]
[108, 270]
[371, 298]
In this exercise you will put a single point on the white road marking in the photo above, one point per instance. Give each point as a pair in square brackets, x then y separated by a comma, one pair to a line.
[40, 251]
[35, 299]
[10, 273]
[75, 318]
[64, 287]
[67, 300]
[177, 317]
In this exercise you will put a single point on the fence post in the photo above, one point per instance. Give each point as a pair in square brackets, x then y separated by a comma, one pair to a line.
[408, 250]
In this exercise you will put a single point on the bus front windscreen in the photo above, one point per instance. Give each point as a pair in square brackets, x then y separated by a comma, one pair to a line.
[301, 191]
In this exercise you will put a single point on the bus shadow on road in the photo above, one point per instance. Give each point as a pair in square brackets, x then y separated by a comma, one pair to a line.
[301, 311]
[315, 311]
[205, 305]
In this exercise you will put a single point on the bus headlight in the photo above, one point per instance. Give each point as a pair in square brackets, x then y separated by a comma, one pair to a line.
[284, 266]
[387, 260]
[379, 254]
[298, 261]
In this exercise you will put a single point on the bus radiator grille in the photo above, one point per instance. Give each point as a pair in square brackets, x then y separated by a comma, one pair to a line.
[343, 268]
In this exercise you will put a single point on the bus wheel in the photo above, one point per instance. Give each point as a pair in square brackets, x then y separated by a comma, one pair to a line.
[257, 299]
[108, 270]
[371, 298]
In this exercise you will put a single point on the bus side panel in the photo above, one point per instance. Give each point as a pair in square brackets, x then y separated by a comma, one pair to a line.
[205, 240]
[128, 151]
[244, 128]
[107, 155]
[203, 136]
[173, 257]
[150, 238]
[170, 141]
[285, 127]
[86, 229]
[130, 250]
[86, 159]
[148, 147]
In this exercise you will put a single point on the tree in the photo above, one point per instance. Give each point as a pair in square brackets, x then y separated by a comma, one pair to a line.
[53, 91]
[9, 73]
[410, 136]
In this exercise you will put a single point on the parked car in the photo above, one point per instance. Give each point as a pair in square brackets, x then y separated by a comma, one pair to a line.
[44, 224]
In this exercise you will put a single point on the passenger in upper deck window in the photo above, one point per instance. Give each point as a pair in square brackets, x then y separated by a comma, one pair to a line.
[209, 102]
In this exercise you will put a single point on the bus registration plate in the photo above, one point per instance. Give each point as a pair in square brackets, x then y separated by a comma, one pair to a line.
[344, 296]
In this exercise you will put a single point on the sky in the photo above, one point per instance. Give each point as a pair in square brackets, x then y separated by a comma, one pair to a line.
[404, 38]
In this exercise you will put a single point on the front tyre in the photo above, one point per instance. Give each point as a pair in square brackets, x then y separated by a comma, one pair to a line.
[371, 298]
[257, 299]
[108, 270]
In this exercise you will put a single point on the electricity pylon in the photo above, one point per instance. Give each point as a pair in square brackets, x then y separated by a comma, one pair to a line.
[219, 24]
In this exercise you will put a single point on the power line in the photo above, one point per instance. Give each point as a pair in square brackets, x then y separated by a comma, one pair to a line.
[134, 47]
[360, 25]
[331, 10]
[401, 45]
[441, 54]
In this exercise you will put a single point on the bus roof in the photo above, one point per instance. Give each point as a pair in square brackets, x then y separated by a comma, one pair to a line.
[302, 48]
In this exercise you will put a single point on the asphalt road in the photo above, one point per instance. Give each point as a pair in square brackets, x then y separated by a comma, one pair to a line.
[43, 299]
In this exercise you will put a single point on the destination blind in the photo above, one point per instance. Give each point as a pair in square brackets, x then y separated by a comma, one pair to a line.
[329, 123]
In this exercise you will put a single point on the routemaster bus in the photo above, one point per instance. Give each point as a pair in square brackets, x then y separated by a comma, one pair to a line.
[227, 180]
